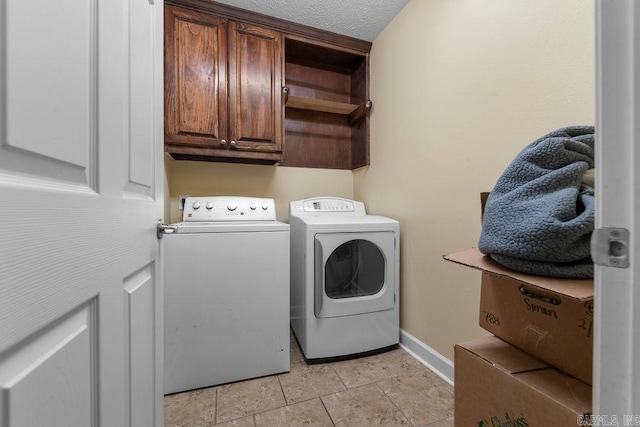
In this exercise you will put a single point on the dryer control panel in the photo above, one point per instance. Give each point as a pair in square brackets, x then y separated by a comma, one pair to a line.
[327, 205]
[228, 208]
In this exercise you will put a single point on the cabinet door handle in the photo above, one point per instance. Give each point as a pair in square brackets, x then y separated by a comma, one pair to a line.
[233, 143]
[223, 142]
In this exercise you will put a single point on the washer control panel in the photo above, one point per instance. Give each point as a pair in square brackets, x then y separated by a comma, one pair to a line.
[228, 208]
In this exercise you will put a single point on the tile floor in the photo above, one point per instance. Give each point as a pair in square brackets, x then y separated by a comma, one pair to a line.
[386, 389]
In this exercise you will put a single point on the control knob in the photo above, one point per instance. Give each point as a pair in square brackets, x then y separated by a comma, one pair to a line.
[209, 205]
[253, 206]
[265, 206]
[232, 206]
[196, 205]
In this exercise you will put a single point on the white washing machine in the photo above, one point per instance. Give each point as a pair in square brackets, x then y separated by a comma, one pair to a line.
[226, 293]
[345, 274]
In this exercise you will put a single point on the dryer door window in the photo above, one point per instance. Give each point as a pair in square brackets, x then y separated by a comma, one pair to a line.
[354, 269]
[354, 273]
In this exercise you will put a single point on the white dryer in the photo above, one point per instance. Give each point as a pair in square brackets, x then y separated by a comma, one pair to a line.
[226, 293]
[345, 274]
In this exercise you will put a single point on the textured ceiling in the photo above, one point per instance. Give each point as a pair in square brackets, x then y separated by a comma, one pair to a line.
[362, 19]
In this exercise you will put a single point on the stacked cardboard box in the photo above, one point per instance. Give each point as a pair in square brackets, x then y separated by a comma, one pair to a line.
[497, 384]
[537, 370]
[549, 318]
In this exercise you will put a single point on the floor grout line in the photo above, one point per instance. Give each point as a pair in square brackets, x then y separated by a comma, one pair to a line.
[393, 403]
[395, 366]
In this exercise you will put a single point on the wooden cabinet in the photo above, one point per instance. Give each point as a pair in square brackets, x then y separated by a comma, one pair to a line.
[229, 73]
[223, 89]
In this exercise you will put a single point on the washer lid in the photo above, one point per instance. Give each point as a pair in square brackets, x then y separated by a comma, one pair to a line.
[230, 227]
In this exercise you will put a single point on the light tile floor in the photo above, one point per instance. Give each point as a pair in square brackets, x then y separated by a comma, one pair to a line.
[386, 389]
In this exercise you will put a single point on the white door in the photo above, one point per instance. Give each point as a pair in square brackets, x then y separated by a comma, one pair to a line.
[80, 189]
[617, 308]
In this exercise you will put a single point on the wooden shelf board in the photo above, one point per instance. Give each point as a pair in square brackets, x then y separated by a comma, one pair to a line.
[320, 105]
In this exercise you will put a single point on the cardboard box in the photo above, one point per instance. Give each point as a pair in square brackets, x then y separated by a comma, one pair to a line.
[497, 384]
[548, 317]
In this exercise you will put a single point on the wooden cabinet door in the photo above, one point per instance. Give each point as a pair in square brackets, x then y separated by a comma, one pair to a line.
[256, 110]
[195, 80]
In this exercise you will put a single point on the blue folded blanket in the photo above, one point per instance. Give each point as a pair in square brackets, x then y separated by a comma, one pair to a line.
[537, 220]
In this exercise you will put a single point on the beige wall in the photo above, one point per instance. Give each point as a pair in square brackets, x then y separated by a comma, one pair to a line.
[459, 88]
[280, 183]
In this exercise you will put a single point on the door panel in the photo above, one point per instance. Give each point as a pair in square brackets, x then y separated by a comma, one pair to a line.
[139, 325]
[54, 371]
[142, 101]
[48, 109]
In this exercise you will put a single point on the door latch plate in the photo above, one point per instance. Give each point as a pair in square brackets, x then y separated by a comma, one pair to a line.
[610, 247]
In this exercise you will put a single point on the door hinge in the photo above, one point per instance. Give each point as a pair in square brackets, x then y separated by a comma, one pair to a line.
[610, 247]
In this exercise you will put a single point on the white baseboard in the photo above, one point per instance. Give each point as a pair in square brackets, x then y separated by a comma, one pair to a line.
[427, 356]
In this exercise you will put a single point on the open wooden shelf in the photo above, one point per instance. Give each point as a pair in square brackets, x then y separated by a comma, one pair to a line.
[355, 112]
[326, 95]
[320, 105]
